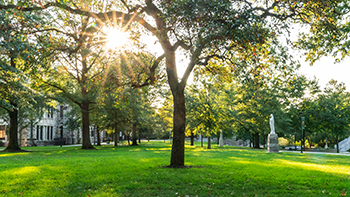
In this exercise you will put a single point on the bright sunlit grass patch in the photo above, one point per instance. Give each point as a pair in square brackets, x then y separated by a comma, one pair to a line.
[319, 167]
[21, 171]
[12, 154]
[139, 171]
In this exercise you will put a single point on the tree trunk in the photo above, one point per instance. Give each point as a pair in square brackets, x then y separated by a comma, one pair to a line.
[256, 140]
[310, 143]
[13, 145]
[192, 138]
[116, 134]
[201, 140]
[139, 137]
[179, 125]
[98, 136]
[209, 144]
[86, 123]
[128, 139]
[134, 136]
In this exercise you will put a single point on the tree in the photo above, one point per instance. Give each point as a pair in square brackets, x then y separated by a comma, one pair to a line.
[76, 73]
[205, 110]
[20, 56]
[125, 96]
[72, 119]
[202, 28]
[333, 110]
[163, 118]
[264, 88]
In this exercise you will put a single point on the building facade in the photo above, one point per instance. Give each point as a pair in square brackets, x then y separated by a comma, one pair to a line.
[49, 130]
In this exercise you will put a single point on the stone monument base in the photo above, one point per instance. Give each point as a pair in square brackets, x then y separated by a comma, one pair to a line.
[272, 143]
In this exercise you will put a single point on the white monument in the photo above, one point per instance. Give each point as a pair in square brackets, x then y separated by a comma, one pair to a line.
[272, 125]
[221, 140]
[272, 142]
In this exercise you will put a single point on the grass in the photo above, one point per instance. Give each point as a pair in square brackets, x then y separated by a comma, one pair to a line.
[139, 171]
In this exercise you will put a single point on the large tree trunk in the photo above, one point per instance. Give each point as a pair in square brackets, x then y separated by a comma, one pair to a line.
[256, 140]
[98, 135]
[134, 134]
[86, 123]
[179, 125]
[13, 145]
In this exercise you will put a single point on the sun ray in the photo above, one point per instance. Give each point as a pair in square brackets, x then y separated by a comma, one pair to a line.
[105, 73]
[129, 67]
[116, 39]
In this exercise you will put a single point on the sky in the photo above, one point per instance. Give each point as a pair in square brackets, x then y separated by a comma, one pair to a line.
[325, 69]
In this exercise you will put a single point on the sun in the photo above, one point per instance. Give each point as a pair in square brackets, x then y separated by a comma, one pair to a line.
[116, 39]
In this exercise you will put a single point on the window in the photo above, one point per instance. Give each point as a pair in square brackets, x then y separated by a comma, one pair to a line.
[41, 132]
[51, 133]
[2, 132]
[48, 133]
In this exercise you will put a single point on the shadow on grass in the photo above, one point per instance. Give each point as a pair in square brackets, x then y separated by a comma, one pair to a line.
[137, 171]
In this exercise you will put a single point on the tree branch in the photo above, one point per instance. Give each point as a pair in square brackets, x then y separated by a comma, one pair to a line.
[69, 96]
[182, 44]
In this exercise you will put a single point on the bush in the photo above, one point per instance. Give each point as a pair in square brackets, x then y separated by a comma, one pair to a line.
[283, 142]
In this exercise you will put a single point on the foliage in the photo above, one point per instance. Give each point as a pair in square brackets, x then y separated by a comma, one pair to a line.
[128, 94]
[205, 109]
[329, 31]
[262, 91]
[72, 118]
[333, 110]
[23, 53]
[207, 30]
[163, 118]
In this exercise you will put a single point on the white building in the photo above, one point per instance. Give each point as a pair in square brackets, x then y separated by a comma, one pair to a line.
[47, 131]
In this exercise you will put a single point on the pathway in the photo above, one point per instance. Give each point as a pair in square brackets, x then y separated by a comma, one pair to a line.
[309, 152]
[284, 151]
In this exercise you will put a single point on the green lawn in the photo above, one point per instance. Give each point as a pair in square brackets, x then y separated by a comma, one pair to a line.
[139, 171]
